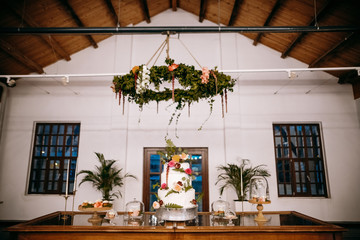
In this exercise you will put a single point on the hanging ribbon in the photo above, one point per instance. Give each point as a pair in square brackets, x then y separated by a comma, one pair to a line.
[188, 109]
[222, 105]
[216, 87]
[123, 104]
[226, 100]
[119, 96]
[172, 67]
[173, 90]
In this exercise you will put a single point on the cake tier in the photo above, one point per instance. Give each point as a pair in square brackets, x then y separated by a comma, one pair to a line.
[182, 198]
[175, 176]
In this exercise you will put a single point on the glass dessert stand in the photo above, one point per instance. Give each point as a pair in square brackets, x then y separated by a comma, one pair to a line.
[176, 217]
[260, 217]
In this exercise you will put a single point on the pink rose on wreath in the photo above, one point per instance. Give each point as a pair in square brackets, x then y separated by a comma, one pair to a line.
[188, 171]
[163, 186]
[171, 163]
[205, 75]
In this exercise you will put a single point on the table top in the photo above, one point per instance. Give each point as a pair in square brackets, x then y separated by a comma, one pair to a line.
[79, 221]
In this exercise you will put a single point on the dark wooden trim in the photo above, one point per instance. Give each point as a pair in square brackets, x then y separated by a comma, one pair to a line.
[270, 16]
[203, 6]
[48, 40]
[145, 9]
[356, 89]
[235, 12]
[320, 14]
[19, 56]
[173, 5]
[73, 14]
[349, 39]
[115, 17]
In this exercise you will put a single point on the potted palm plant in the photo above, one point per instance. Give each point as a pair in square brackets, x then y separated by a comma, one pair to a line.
[238, 177]
[106, 177]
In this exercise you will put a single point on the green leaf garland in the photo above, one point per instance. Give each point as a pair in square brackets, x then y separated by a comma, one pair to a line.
[192, 89]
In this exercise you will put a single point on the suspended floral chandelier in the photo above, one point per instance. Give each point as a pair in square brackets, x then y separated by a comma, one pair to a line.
[143, 85]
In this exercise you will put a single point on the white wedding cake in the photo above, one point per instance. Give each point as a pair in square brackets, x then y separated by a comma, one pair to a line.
[176, 189]
[176, 195]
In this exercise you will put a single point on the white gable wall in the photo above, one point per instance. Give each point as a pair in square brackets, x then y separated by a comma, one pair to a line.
[245, 132]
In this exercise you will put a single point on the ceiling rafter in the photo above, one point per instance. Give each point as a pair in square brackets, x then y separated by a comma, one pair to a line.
[270, 16]
[203, 6]
[72, 13]
[173, 5]
[49, 40]
[145, 9]
[348, 40]
[235, 12]
[111, 8]
[320, 14]
[19, 56]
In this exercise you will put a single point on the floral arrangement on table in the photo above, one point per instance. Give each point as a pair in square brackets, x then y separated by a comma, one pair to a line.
[142, 85]
[97, 204]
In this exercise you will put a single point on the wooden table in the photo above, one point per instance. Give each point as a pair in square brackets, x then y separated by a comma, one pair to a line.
[281, 225]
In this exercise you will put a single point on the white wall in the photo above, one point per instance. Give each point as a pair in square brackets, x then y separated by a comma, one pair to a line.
[246, 130]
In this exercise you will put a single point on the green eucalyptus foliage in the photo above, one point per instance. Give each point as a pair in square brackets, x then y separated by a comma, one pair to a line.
[231, 176]
[106, 177]
[192, 90]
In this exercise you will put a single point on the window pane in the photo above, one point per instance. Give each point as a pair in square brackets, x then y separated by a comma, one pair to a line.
[292, 130]
[197, 184]
[155, 163]
[54, 129]
[68, 140]
[69, 129]
[154, 179]
[314, 130]
[307, 130]
[281, 189]
[277, 130]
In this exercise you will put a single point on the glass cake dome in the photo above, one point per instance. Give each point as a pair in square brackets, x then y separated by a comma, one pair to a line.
[219, 207]
[135, 209]
[259, 190]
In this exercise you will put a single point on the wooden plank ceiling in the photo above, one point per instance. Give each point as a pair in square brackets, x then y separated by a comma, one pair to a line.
[24, 54]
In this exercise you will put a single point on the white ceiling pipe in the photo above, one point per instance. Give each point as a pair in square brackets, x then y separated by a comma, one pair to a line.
[286, 70]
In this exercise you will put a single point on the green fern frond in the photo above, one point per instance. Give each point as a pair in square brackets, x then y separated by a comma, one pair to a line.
[173, 205]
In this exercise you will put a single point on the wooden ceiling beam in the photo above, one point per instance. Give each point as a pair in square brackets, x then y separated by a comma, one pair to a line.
[203, 6]
[235, 12]
[271, 15]
[173, 5]
[111, 8]
[145, 9]
[48, 40]
[349, 39]
[72, 13]
[320, 14]
[19, 56]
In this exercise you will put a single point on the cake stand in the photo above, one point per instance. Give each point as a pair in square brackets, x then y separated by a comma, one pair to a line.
[95, 219]
[260, 217]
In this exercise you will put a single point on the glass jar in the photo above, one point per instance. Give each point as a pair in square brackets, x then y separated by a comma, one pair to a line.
[219, 207]
[135, 209]
[259, 190]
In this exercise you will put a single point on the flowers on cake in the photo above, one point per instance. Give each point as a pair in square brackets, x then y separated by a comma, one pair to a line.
[188, 171]
[156, 204]
[177, 187]
[171, 163]
[164, 186]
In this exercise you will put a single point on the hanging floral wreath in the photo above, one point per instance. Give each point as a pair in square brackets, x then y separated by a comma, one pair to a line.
[142, 85]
